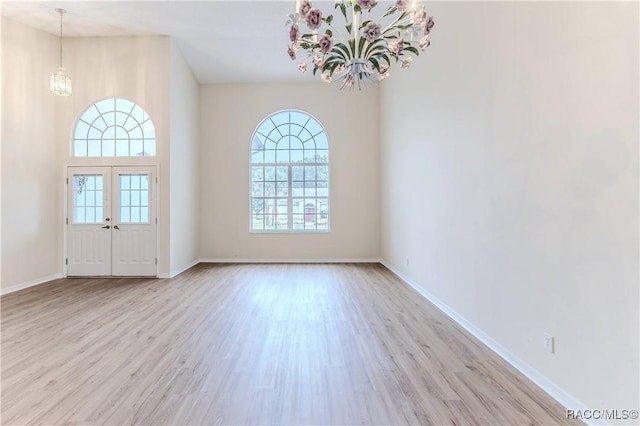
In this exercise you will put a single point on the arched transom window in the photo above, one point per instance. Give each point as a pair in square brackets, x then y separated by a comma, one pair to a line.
[114, 127]
[289, 174]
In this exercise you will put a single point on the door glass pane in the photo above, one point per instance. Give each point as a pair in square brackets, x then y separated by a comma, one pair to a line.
[125, 197]
[134, 198]
[135, 215]
[87, 199]
[124, 214]
[144, 198]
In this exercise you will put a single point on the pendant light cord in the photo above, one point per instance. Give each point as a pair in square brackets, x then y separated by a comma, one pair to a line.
[61, 11]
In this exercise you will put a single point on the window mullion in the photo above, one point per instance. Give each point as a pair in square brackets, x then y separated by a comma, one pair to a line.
[289, 198]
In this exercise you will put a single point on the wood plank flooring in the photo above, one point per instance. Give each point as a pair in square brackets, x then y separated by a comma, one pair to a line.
[252, 344]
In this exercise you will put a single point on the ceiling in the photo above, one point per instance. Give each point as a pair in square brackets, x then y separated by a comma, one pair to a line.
[222, 41]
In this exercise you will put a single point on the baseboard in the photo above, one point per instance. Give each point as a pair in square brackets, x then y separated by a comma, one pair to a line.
[555, 391]
[179, 270]
[32, 283]
[289, 260]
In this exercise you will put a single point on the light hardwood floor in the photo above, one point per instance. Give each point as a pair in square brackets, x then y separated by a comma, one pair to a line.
[252, 344]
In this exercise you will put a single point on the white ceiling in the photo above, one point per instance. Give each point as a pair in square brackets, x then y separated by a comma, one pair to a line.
[222, 41]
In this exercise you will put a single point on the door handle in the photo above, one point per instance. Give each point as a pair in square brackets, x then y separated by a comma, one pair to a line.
[115, 227]
[106, 227]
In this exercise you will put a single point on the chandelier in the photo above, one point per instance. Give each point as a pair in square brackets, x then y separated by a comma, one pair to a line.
[365, 54]
[60, 83]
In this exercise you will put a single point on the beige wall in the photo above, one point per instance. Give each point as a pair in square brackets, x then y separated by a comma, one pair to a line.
[31, 249]
[134, 68]
[510, 184]
[230, 114]
[184, 164]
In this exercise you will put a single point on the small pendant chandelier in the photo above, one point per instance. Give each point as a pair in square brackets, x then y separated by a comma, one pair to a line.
[60, 83]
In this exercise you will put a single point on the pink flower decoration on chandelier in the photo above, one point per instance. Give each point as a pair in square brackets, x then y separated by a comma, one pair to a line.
[403, 5]
[396, 46]
[427, 25]
[384, 72]
[294, 32]
[302, 66]
[314, 19]
[367, 4]
[424, 42]
[292, 53]
[371, 31]
[418, 16]
[325, 44]
[305, 7]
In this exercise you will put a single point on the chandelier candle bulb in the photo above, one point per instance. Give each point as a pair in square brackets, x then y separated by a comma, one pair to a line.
[365, 52]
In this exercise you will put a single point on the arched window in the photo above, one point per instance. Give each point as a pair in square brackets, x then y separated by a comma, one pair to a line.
[114, 127]
[289, 174]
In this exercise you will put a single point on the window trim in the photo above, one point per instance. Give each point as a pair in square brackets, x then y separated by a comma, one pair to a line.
[290, 197]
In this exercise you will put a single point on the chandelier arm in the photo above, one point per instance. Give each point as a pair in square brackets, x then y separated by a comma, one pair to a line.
[335, 30]
[396, 21]
[386, 15]
[307, 39]
[390, 11]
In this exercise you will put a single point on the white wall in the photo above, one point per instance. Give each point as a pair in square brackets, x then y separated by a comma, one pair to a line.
[30, 224]
[230, 114]
[134, 68]
[510, 183]
[184, 163]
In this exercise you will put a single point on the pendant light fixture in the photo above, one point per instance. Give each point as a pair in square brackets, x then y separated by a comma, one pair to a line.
[60, 83]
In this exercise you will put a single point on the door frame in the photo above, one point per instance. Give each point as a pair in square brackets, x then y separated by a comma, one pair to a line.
[65, 215]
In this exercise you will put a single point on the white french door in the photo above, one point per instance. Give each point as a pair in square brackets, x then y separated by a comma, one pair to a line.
[111, 223]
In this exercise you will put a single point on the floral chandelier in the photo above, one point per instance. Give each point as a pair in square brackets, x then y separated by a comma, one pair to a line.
[366, 53]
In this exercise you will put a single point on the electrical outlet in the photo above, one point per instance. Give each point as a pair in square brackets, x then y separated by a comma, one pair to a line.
[549, 343]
